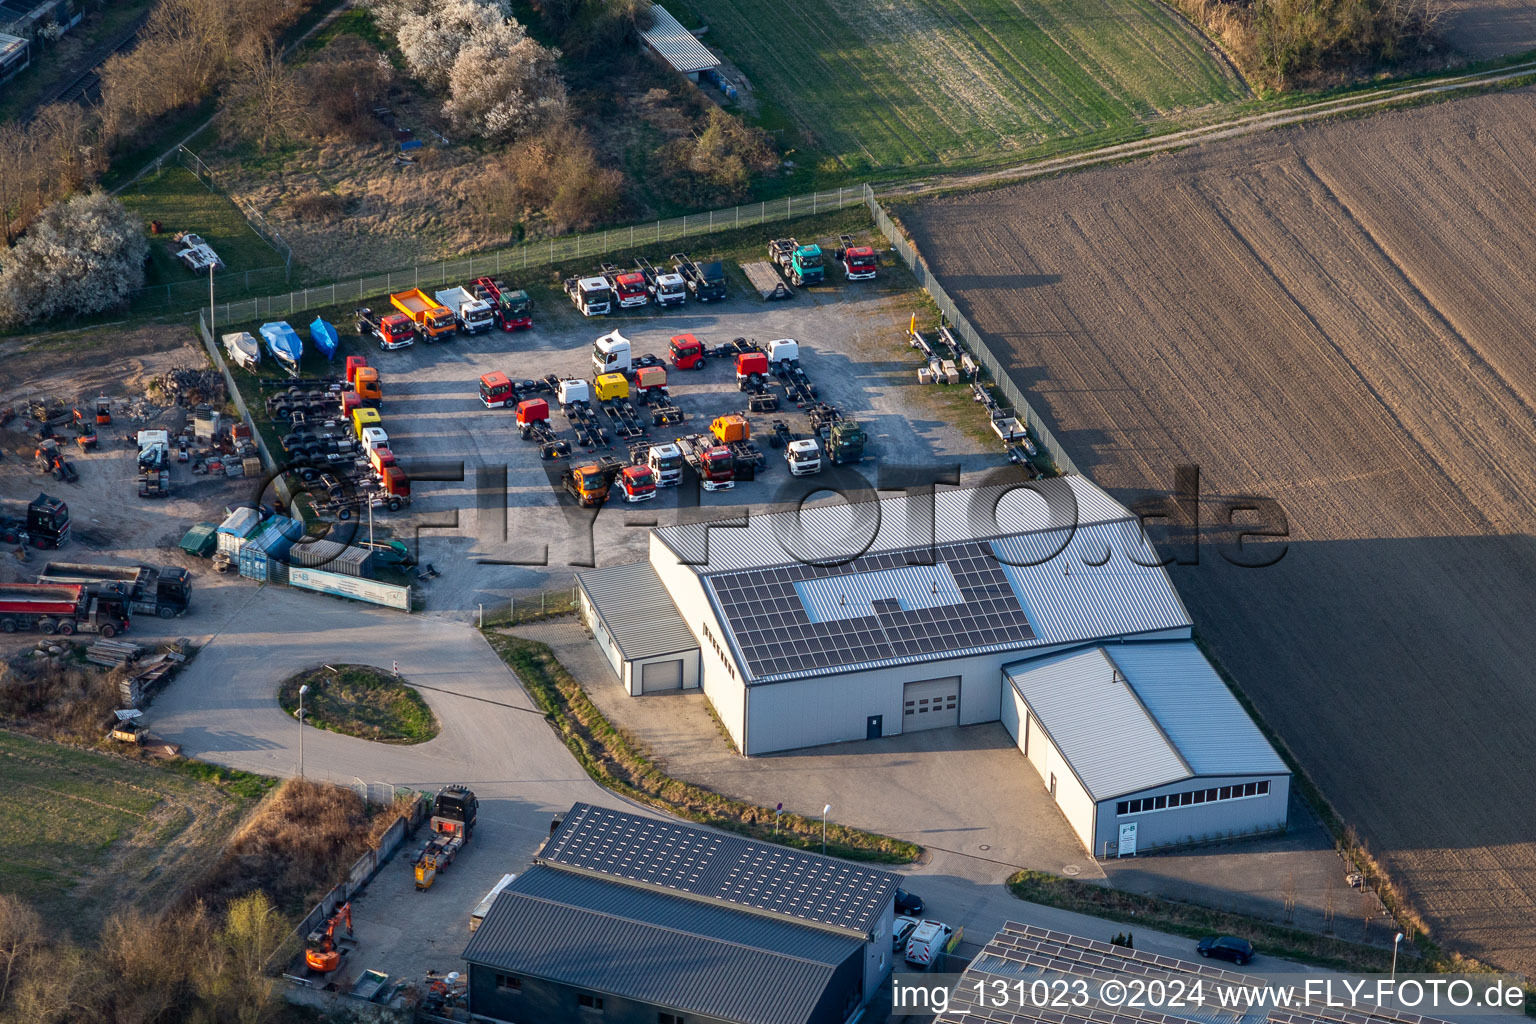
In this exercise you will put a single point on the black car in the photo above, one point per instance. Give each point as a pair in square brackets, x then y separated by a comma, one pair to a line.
[1226, 947]
[908, 903]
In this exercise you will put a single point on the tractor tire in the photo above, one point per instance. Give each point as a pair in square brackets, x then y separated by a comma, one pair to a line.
[344, 514]
[108, 632]
[394, 504]
[48, 626]
[66, 628]
[166, 613]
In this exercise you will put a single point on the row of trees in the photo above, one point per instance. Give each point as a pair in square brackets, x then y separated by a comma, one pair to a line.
[1279, 43]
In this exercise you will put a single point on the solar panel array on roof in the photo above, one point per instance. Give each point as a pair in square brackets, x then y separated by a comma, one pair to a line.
[1022, 951]
[766, 613]
[741, 872]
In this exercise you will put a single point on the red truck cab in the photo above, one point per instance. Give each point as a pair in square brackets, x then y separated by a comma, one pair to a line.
[750, 364]
[631, 289]
[355, 363]
[396, 330]
[531, 411]
[859, 263]
[496, 390]
[687, 352]
[637, 483]
[717, 466]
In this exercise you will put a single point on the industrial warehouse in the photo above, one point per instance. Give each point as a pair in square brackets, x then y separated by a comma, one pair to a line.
[645, 920]
[1044, 608]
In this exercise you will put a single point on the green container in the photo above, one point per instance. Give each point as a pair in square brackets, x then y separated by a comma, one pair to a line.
[201, 540]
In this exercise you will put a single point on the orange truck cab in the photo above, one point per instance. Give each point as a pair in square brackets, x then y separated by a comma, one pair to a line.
[366, 384]
[750, 365]
[380, 459]
[433, 320]
[650, 381]
[496, 390]
[590, 484]
[637, 483]
[731, 427]
[687, 352]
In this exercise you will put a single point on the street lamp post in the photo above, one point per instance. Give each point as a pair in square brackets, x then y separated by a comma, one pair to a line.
[824, 812]
[1395, 940]
[303, 689]
[210, 300]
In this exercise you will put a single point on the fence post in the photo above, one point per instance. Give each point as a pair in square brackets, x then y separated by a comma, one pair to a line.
[738, 216]
[711, 220]
[813, 202]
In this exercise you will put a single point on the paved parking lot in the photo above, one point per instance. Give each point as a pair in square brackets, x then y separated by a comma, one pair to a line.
[853, 347]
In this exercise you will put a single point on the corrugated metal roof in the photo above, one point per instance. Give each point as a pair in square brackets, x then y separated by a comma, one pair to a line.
[637, 610]
[1196, 709]
[1098, 723]
[677, 46]
[656, 948]
[720, 867]
[837, 532]
[1134, 716]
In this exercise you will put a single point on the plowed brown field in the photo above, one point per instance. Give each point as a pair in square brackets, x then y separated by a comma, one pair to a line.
[1341, 318]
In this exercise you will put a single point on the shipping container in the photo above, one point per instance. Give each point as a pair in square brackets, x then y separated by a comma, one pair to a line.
[236, 529]
[268, 549]
[333, 557]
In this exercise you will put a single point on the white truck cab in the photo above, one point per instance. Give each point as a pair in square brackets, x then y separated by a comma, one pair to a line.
[671, 290]
[803, 456]
[785, 350]
[374, 438]
[666, 461]
[611, 353]
[574, 390]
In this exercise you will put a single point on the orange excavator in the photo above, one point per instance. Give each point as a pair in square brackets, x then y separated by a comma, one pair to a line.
[320, 951]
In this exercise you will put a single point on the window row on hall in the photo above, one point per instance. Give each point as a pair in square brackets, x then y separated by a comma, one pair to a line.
[1192, 797]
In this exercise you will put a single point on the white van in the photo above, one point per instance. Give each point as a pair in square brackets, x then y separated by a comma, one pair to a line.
[929, 939]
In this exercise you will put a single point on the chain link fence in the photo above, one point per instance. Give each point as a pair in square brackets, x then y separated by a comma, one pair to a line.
[528, 255]
[995, 366]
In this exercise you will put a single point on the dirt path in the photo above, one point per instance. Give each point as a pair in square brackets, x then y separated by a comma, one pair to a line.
[1335, 317]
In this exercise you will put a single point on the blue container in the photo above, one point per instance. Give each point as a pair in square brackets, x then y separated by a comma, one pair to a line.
[263, 557]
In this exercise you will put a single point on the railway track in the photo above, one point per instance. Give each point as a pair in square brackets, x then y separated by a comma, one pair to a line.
[85, 88]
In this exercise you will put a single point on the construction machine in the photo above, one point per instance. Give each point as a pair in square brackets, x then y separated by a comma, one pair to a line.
[322, 953]
[50, 459]
[452, 823]
[103, 410]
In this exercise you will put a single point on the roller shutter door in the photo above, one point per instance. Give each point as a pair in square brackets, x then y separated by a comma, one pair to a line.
[930, 704]
[661, 675]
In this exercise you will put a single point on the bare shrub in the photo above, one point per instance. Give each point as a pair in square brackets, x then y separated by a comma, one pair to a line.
[291, 847]
[717, 165]
[341, 86]
[559, 177]
[266, 102]
[60, 700]
[321, 207]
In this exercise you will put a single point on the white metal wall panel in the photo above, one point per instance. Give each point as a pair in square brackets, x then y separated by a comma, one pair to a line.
[724, 689]
[1199, 822]
[930, 704]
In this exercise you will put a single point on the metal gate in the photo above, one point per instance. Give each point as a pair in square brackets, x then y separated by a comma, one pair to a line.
[661, 675]
[930, 704]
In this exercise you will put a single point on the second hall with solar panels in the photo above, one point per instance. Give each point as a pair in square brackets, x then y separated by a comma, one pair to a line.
[849, 620]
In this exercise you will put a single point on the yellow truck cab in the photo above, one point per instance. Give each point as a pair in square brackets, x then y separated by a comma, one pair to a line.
[363, 418]
[611, 386]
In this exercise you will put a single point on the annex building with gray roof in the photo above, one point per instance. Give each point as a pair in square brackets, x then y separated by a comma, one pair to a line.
[645, 919]
[855, 620]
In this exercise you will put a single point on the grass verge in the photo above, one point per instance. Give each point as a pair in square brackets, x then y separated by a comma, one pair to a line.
[616, 761]
[1197, 922]
[361, 701]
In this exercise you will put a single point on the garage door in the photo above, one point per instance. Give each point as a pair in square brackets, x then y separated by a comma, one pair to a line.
[661, 675]
[930, 704]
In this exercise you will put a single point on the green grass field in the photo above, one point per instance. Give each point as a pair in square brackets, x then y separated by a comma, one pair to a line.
[954, 83]
[181, 202]
[86, 834]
